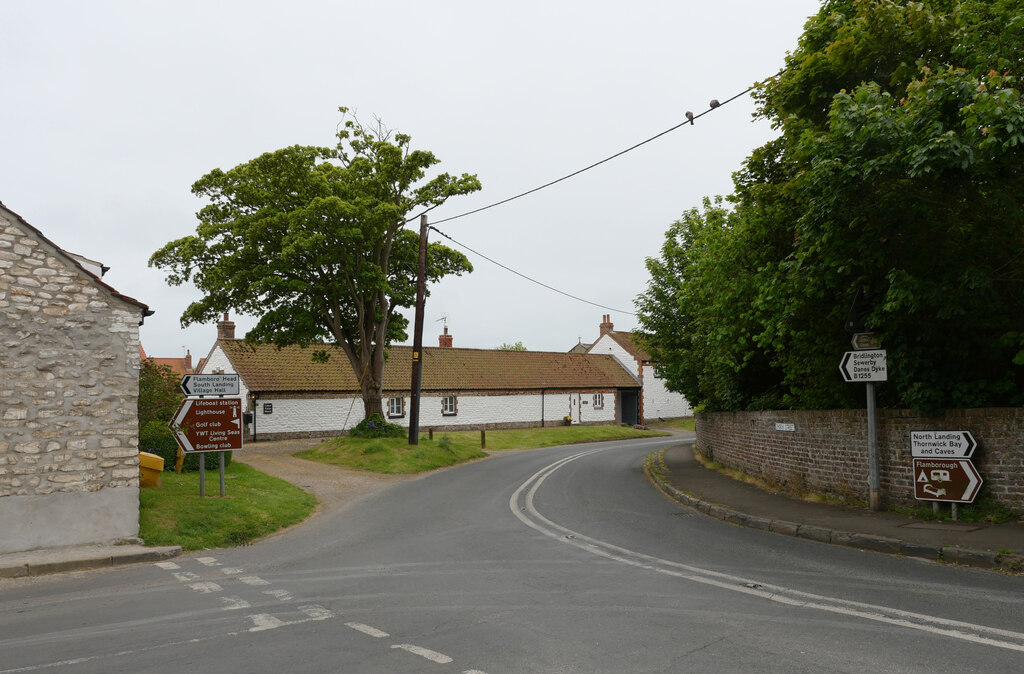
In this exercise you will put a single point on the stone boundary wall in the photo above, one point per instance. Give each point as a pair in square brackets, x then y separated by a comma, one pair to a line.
[827, 450]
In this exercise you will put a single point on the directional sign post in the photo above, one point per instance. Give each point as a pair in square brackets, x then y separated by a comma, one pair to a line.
[942, 444]
[949, 480]
[208, 425]
[210, 384]
[868, 365]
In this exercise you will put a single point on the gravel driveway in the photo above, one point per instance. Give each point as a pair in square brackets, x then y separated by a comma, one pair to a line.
[334, 486]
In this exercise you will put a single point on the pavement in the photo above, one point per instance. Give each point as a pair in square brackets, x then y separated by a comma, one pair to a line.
[678, 474]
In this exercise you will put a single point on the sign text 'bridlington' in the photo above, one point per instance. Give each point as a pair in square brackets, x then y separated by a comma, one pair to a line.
[864, 366]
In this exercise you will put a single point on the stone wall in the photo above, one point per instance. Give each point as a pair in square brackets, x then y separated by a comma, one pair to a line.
[826, 451]
[68, 399]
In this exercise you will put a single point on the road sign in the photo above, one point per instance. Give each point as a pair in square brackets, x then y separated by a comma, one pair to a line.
[213, 425]
[210, 384]
[864, 340]
[951, 480]
[939, 444]
[864, 365]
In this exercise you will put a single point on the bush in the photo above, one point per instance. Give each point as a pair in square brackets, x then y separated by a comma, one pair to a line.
[374, 426]
[156, 438]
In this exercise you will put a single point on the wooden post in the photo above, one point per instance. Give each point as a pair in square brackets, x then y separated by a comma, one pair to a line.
[483, 439]
[417, 339]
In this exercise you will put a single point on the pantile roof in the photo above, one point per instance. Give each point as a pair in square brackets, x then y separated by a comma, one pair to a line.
[628, 342]
[265, 368]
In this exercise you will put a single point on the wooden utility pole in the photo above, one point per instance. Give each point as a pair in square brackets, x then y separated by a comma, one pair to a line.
[417, 339]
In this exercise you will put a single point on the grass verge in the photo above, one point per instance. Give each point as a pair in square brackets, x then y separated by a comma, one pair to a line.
[394, 455]
[686, 424]
[255, 505]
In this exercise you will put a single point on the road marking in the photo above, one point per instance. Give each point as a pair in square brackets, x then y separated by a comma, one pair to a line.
[253, 580]
[167, 566]
[265, 621]
[231, 571]
[522, 506]
[366, 629]
[186, 576]
[316, 612]
[433, 656]
[234, 603]
[206, 588]
[280, 595]
[208, 561]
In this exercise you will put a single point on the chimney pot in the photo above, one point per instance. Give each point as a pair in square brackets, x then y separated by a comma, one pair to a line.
[225, 328]
[607, 325]
[445, 340]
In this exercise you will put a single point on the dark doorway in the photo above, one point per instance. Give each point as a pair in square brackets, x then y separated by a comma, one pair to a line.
[629, 412]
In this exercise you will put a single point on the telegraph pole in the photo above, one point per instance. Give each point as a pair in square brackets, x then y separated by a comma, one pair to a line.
[417, 338]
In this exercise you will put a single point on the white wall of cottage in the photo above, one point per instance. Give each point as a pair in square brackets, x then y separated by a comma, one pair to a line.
[659, 402]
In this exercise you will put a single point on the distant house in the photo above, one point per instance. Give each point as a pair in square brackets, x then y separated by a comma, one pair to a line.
[180, 366]
[656, 401]
[69, 387]
[288, 395]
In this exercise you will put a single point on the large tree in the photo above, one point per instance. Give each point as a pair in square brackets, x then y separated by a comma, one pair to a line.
[312, 240]
[899, 172]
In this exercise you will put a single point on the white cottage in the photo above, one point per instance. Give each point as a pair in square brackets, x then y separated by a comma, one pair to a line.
[288, 395]
[656, 401]
[69, 383]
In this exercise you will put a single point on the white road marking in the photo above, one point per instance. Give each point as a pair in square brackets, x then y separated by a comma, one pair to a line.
[186, 576]
[433, 656]
[366, 629]
[522, 506]
[265, 621]
[208, 561]
[316, 612]
[167, 566]
[231, 571]
[473, 671]
[253, 580]
[280, 595]
[206, 588]
[234, 603]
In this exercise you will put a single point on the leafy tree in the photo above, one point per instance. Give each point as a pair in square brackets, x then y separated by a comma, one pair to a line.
[311, 240]
[898, 171]
[159, 393]
[518, 346]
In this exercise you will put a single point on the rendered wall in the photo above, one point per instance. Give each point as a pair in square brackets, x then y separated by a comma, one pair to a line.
[68, 400]
[827, 450]
[659, 402]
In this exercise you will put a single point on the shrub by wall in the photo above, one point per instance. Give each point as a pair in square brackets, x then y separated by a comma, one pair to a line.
[826, 451]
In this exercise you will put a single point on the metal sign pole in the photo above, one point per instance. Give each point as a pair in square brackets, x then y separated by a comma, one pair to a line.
[873, 478]
[221, 474]
[202, 475]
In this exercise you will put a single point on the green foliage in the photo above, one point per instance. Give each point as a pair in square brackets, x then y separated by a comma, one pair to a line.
[374, 426]
[312, 240]
[518, 346]
[156, 438]
[159, 393]
[256, 505]
[899, 172]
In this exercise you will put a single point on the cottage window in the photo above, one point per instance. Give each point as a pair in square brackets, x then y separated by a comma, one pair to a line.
[449, 406]
[396, 407]
[598, 401]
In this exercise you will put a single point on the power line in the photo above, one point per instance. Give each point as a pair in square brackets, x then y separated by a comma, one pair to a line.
[690, 117]
[532, 280]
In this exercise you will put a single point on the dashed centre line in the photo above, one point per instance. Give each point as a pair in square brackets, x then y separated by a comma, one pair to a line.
[366, 629]
[433, 656]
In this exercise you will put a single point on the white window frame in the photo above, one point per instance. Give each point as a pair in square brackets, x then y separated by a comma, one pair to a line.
[598, 401]
[392, 414]
[449, 406]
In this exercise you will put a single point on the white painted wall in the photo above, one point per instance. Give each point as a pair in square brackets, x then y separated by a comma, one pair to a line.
[659, 402]
[608, 345]
[218, 362]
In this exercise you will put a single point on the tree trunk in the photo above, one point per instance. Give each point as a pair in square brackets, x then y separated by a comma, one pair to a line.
[373, 394]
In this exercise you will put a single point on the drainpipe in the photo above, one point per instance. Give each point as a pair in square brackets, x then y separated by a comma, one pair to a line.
[542, 408]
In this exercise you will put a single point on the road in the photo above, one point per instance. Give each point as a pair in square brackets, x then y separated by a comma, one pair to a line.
[556, 560]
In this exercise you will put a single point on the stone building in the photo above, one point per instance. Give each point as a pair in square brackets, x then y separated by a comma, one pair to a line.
[68, 397]
[656, 401]
[286, 394]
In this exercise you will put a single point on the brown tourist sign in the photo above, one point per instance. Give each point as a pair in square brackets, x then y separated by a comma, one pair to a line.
[208, 425]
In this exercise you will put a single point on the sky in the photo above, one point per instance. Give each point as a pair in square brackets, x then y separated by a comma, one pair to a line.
[113, 109]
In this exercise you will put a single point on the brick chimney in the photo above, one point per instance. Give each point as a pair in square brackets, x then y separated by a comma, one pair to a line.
[188, 361]
[607, 325]
[226, 328]
[445, 340]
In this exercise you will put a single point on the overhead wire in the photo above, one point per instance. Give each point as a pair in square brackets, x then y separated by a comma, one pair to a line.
[690, 118]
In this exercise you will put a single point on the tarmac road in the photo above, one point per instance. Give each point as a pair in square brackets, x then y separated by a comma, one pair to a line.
[556, 560]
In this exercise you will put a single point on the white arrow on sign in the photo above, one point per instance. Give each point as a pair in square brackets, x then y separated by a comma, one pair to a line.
[942, 444]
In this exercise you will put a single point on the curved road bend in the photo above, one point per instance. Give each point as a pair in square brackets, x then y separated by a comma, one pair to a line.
[556, 560]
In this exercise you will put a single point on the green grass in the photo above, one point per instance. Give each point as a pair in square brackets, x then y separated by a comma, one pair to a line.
[687, 424]
[394, 455]
[255, 505]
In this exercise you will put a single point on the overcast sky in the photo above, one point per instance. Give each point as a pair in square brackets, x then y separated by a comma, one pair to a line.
[111, 110]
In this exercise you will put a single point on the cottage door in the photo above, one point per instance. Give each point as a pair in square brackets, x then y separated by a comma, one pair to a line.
[574, 407]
